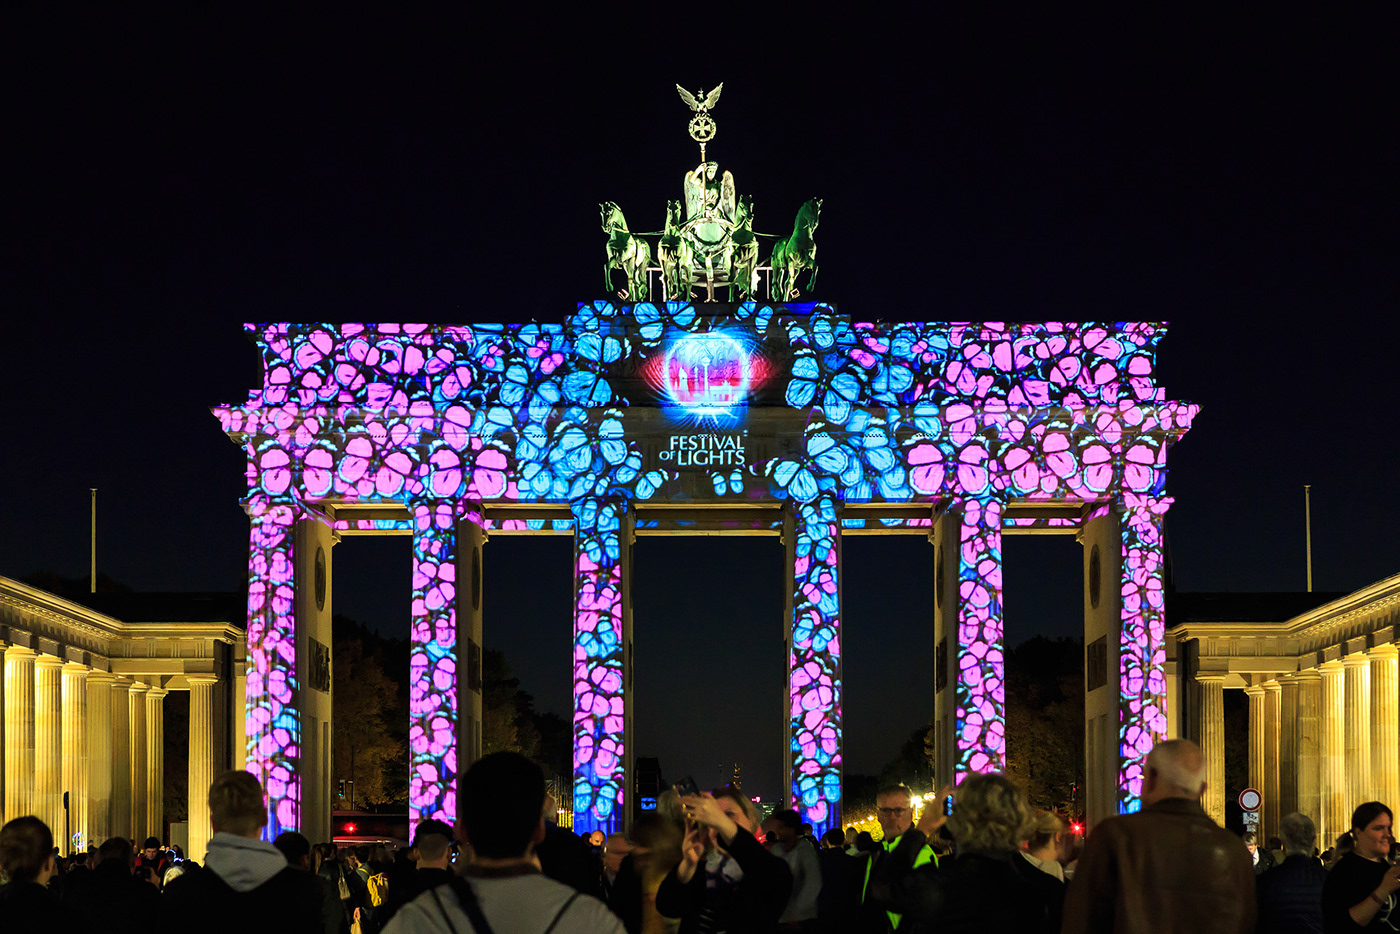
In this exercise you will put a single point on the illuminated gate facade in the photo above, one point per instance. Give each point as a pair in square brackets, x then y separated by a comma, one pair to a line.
[626, 420]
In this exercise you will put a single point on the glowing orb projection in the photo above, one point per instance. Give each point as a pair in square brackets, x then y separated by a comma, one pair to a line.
[706, 377]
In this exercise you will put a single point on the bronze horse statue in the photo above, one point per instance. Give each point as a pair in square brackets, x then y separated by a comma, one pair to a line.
[743, 263]
[795, 253]
[676, 256]
[626, 252]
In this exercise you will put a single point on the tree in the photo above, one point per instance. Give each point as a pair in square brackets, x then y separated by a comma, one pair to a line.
[1045, 721]
[368, 751]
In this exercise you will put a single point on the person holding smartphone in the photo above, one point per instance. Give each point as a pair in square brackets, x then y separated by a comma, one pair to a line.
[726, 880]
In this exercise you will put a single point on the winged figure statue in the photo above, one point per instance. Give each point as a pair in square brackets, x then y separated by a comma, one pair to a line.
[701, 103]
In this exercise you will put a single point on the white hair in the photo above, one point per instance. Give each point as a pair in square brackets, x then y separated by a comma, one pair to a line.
[1179, 765]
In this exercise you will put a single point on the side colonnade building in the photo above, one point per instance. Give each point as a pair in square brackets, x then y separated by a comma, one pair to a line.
[1324, 702]
[83, 695]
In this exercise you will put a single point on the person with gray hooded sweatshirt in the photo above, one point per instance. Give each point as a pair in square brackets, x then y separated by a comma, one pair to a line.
[245, 883]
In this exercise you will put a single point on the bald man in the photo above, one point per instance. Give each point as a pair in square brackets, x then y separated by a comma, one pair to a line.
[1169, 867]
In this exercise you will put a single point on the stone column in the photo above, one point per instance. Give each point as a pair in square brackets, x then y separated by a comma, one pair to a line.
[120, 810]
[812, 540]
[1358, 730]
[471, 542]
[155, 761]
[136, 744]
[1255, 693]
[75, 753]
[1336, 811]
[1273, 703]
[19, 731]
[1307, 744]
[1385, 723]
[202, 750]
[99, 755]
[48, 743]
[1288, 745]
[3, 646]
[1212, 733]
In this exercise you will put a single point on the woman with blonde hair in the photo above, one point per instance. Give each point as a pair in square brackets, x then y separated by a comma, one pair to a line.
[1042, 846]
[988, 885]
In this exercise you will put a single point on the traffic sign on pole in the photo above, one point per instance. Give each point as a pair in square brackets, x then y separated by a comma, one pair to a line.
[1250, 800]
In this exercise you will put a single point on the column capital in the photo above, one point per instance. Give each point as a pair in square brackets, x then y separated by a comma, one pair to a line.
[1210, 678]
[96, 676]
[202, 678]
[1358, 660]
[1386, 650]
[20, 653]
[1306, 674]
[1273, 687]
[47, 661]
[139, 687]
[1254, 690]
[156, 692]
[75, 668]
[1333, 666]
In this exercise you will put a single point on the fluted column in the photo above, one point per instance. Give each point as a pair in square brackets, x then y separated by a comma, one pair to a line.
[1385, 723]
[121, 759]
[1273, 703]
[1358, 730]
[99, 755]
[19, 731]
[3, 646]
[1255, 693]
[1288, 744]
[140, 821]
[1212, 733]
[1332, 768]
[155, 761]
[201, 762]
[1307, 738]
[48, 743]
[75, 753]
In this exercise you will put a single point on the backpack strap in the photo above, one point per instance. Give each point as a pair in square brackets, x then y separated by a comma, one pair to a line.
[467, 896]
[560, 913]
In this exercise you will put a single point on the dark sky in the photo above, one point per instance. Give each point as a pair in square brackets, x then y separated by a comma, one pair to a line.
[164, 182]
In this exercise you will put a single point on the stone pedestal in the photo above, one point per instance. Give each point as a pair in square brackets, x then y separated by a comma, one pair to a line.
[1358, 730]
[1335, 797]
[48, 743]
[1385, 723]
[155, 761]
[99, 755]
[1212, 733]
[19, 731]
[202, 764]
[75, 754]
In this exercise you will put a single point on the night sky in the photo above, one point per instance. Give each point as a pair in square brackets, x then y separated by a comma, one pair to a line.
[166, 182]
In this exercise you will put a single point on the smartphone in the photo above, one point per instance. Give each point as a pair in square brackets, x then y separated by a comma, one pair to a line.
[686, 786]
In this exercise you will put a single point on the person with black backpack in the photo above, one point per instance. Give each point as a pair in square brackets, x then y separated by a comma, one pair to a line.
[503, 888]
[245, 883]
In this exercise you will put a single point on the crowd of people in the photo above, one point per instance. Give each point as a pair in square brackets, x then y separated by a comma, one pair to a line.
[982, 860]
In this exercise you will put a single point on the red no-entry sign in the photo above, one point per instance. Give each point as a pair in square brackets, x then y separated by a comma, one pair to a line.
[1250, 800]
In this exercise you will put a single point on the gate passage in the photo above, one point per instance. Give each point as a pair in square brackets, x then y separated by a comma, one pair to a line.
[631, 419]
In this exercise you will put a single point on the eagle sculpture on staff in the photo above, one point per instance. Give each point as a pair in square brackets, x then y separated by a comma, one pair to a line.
[702, 125]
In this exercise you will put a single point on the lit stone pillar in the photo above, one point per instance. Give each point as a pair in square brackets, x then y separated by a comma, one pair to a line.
[1358, 730]
[48, 743]
[140, 820]
[1273, 704]
[99, 755]
[1332, 753]
[1307, 744]
[3, 646]
[1385, 723]
[201, 776]
[19, 731]
[1288, 744]
[120, 809]
[155, 761]
[75, 753]
[1255, 693]
[1212, 733]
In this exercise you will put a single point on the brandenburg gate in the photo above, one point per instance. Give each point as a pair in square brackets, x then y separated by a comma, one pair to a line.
[757, 416]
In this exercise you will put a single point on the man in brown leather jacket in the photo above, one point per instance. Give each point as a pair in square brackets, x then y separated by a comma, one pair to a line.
[1167, 868]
